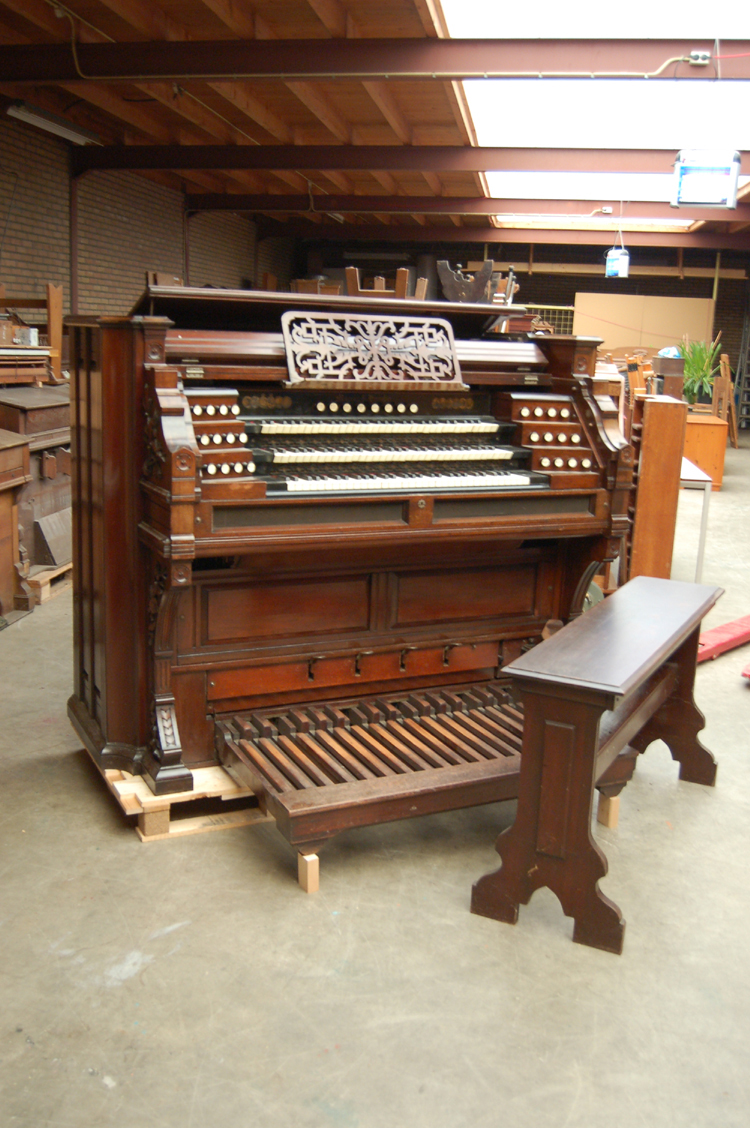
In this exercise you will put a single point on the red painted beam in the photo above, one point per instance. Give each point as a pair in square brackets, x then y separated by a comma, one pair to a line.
[428, 234]
[391, 158]
[453, 205]
[727, 637]
[403, 58]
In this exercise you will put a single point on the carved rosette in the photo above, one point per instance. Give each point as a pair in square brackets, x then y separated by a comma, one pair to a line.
[180, 573]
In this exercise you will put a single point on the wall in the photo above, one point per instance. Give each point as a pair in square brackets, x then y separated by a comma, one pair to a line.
[33, 217]
[221, 250]
[275, 255]
[127, 224]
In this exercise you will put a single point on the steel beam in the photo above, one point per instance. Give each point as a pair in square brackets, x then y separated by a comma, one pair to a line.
[429, 59]
[456, 205]
[387, 158]
[369, 233]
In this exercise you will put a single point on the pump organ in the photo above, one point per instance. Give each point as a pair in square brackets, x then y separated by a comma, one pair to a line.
[313, 572]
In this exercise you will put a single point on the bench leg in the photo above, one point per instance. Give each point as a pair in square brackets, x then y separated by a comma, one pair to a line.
[550, 842]
[679, 720]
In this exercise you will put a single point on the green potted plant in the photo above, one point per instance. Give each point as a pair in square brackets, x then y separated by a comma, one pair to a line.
[701, 362]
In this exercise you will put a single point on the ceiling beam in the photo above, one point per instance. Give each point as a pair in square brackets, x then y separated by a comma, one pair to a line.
[430, 59]
[390, 158]
[368, 233]
[460, 205]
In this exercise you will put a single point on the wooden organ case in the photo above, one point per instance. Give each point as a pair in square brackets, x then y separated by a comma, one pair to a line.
[312, 573]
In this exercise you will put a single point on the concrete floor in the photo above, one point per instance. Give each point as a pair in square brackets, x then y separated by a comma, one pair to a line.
[192, 983]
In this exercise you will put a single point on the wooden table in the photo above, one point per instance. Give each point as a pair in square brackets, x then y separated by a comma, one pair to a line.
[706, 443]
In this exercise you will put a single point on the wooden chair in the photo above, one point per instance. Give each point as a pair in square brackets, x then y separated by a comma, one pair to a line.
[722, 402]
[646, 371]
[355, 289]
[636, 379]
[269, 281]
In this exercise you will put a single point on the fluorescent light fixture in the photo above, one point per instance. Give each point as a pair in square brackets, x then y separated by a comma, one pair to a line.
[706, 178]
[51, 123]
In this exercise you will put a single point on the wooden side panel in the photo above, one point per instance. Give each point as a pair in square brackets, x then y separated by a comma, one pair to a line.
[110, 567]
[84, 345]
[464, 595]
[661, 443]
[286, 609]
[558, 750]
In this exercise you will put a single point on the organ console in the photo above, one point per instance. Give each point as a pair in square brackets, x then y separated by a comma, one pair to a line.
[307, 540]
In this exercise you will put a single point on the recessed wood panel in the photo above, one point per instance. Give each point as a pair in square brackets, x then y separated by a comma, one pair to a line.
[458, 596]
[353, 670]
[283, 610]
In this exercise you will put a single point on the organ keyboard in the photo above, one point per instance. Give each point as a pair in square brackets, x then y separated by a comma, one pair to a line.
[306, 543]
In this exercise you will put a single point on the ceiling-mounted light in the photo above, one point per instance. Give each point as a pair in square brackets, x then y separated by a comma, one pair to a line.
[51, 123]
[705, 178]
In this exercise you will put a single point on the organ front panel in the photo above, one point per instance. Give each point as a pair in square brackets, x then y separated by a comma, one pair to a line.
[313, 571]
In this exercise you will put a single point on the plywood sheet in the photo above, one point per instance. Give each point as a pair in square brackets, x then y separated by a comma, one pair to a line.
[642, 321]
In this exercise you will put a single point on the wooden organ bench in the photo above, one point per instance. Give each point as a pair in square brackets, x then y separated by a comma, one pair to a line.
[617, 678]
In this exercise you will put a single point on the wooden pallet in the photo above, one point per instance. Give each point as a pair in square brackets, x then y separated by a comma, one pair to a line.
[156, 818]
[46, 582]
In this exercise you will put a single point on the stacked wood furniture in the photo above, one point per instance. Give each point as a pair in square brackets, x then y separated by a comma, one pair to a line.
[14, 473]
[306, 545]
[618, 678]
[355, 288]
[313, 286]
[41, 417]
[722, 398]
[37, 364]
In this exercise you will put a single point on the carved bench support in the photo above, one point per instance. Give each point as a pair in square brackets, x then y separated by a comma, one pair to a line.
[620, 675]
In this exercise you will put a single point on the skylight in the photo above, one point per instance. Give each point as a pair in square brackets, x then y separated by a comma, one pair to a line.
[590, 19]
[611, 114]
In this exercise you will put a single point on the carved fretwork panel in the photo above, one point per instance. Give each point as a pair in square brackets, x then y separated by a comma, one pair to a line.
[339, 348]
